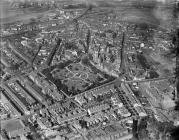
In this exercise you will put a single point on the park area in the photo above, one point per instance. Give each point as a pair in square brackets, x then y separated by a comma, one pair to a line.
[77, 77]
[74, 78]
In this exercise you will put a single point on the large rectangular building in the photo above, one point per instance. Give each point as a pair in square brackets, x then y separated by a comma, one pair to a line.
[34, 93]
[13, 111]
[15, 99]
[27, 96]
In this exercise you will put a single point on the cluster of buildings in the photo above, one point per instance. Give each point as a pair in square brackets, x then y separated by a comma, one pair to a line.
[16, 58]
[31, 104]
[160, 98]
[16, 98]
[15, 36]
[90, 112]
[47, 86]
[9, 59]
[33, 4]
[28, 94]
[9, 107]
[4, 111]
[106, 56]
[90, 95]
[52, 121]
[55, 114]
[23, 96]
[21, 51]
[111, 132]
[120, 104]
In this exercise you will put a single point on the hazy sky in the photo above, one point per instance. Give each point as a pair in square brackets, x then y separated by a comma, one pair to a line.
[158, 11]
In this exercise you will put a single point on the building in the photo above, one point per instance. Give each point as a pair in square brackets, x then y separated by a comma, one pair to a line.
[47, 86]
[123, 112]
[96, 118]
[141, 112]
[8, 106]
[13, 55]
[15, 99]
[126, 137]
[22, 90]
[20, 53]
[71, 115]
[111, 132]
[98, 108]
[126, 88]
[80, 99]
[101, 90]
[3, 112]
[116, 101]
[133, 100]
[34, 93]
[4, 60]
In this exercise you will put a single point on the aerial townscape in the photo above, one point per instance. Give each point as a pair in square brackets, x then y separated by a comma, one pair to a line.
[89, 69]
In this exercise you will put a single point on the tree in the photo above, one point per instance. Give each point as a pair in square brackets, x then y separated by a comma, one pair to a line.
[88, 40]
[175, 134]
[83, 123]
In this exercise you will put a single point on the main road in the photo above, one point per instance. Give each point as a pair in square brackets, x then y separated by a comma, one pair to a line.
[149, 80]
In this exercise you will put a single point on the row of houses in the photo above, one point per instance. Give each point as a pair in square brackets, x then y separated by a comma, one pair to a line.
[75, 114]
[47, 86]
